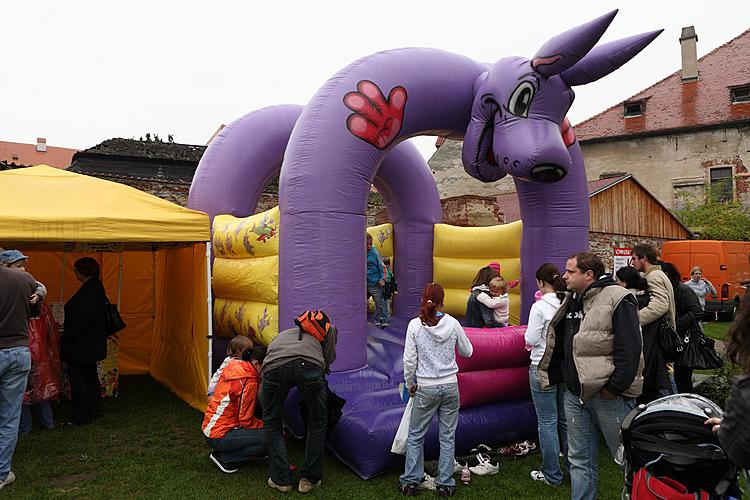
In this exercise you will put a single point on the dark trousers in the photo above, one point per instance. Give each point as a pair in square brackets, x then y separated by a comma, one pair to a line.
[310, 382]
[683, 379]
[239, 445]
[85, 392]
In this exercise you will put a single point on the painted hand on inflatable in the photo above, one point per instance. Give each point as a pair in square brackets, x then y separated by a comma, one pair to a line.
[376, 120]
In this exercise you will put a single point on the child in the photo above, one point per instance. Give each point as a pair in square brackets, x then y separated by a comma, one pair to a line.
[230, 425]
[391, 287]
[232, 353]
[498, 301]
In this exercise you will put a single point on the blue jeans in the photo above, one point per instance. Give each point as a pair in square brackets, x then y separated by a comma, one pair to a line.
[15, 364]
[239, 445]
[381, 310]
[310, 382]
[583, 443]
[443, 400]
[43, 413]
[550, 416]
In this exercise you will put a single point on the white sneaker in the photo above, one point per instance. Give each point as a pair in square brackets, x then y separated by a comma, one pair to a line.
[8, 479]
[537, 475]
[428, 483]
[484, 468]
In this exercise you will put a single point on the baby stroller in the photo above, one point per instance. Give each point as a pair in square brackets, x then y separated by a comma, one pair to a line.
[670, 453]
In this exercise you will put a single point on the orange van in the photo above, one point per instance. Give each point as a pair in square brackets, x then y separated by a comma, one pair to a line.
[726, 264]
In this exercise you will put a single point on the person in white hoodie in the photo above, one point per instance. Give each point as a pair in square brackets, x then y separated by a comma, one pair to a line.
[430, 374]
[548, 403]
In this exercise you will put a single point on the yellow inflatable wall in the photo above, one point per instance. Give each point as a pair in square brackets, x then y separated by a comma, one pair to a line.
[459, 252]
[246, 268]
[246, 275]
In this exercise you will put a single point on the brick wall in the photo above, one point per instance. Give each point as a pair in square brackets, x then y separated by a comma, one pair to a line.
[471, 211]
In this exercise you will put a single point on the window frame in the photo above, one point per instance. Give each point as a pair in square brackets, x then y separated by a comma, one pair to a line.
[641, 109]
[713, 181]
[745, 99]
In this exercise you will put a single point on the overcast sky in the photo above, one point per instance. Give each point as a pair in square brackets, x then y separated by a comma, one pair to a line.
[79, 72]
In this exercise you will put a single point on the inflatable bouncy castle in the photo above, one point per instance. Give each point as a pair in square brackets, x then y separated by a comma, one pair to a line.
[511, 115]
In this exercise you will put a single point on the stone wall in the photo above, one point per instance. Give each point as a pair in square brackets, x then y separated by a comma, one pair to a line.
[471, 211]
[174, 191]
[602, 244]
[676, 163]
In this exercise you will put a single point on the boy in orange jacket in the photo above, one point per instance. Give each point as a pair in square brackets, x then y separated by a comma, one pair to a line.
[230, 425]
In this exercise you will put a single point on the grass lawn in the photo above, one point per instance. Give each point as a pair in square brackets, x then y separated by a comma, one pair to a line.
[717, 330]
[149, 445]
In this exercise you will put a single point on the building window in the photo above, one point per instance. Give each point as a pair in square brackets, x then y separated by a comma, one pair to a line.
[721, 184]
[633, 109]
[740, 94]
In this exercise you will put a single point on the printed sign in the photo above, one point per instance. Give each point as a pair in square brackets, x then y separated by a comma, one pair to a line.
[621, 258]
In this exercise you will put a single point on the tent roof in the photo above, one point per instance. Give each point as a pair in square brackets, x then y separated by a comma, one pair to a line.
[43, 203]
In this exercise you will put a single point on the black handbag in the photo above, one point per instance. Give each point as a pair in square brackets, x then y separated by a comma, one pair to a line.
[699, 353]
[671, 343]
[113, 321]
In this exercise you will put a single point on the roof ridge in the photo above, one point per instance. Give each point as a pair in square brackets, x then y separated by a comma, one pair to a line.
[707, 54]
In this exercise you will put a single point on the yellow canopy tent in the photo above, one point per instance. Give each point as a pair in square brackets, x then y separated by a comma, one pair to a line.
[154, 257]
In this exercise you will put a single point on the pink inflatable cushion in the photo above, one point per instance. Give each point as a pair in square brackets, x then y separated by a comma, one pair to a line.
[493, 386]
[495, 348]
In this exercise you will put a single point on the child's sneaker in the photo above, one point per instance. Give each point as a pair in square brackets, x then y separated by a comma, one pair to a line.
[428, 483]
[485, 468]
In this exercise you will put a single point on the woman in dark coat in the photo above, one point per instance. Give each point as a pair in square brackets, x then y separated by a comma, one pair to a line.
[84, 341]
[688, 313]
[655, 376]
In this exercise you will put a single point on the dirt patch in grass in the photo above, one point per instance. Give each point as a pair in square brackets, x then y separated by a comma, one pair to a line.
[65, 482]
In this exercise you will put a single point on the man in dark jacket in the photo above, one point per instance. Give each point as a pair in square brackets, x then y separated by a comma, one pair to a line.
[594, 346]
[298, 357]
[16, 288]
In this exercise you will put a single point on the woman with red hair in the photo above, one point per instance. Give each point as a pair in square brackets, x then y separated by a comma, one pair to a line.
[430, 373]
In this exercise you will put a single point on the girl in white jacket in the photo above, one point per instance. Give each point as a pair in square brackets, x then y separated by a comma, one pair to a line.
[548, 403]
[430, 373]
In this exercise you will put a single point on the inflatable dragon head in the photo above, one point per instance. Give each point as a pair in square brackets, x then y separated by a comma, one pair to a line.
[518, 124]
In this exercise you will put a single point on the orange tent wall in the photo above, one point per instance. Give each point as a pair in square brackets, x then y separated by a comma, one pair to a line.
[163, 301]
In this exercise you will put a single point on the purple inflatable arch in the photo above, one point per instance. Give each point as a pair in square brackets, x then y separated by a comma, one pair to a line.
[512, 117]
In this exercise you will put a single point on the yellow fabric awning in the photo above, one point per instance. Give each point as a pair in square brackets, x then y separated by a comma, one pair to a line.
[43, 203]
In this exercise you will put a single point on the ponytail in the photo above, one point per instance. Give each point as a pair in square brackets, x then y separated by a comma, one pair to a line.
[432, 298]
[550, 274]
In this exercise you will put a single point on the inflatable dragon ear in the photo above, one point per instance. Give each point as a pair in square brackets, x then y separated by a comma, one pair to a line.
[564, 50]
[604, 59]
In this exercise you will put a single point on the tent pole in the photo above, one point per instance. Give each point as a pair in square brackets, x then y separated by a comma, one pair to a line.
[119, 284]
[62, 277]
[210, 309]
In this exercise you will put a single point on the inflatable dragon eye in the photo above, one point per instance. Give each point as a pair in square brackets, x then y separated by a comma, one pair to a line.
[521, 99]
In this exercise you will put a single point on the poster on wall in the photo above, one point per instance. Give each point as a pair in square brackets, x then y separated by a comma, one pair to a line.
[621, 258]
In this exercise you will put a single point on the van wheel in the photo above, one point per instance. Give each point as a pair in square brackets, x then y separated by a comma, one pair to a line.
[730, 315]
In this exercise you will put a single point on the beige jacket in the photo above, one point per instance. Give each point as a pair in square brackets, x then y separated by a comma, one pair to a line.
[661, 300]
[593, 345]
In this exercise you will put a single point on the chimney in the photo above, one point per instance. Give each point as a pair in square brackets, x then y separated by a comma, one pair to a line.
[688, 41]
[41, 145]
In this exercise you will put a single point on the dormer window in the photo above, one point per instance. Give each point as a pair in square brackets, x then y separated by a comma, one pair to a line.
[740, 94]
[633, 109]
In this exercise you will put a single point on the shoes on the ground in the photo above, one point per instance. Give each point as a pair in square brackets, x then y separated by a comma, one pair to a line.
[481, 448]
[514, 450]
[385, 325]
[529, 445]
[408, 489]
[485, 467]
[221, 464]
[306, 486]
[443, 491]
[378, 324]
[8, 479]
[428, 483]
[537, 475]
[284, 489]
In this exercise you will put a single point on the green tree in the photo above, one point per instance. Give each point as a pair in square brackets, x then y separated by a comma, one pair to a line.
[712, 218]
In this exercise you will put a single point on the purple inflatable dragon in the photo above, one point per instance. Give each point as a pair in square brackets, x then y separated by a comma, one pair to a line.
[511, 116]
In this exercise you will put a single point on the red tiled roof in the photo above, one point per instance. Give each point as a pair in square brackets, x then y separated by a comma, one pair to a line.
[19, 154]
[509, 206]
[672, 104]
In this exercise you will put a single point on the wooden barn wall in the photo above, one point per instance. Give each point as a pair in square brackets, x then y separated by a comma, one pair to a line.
[626, 208]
